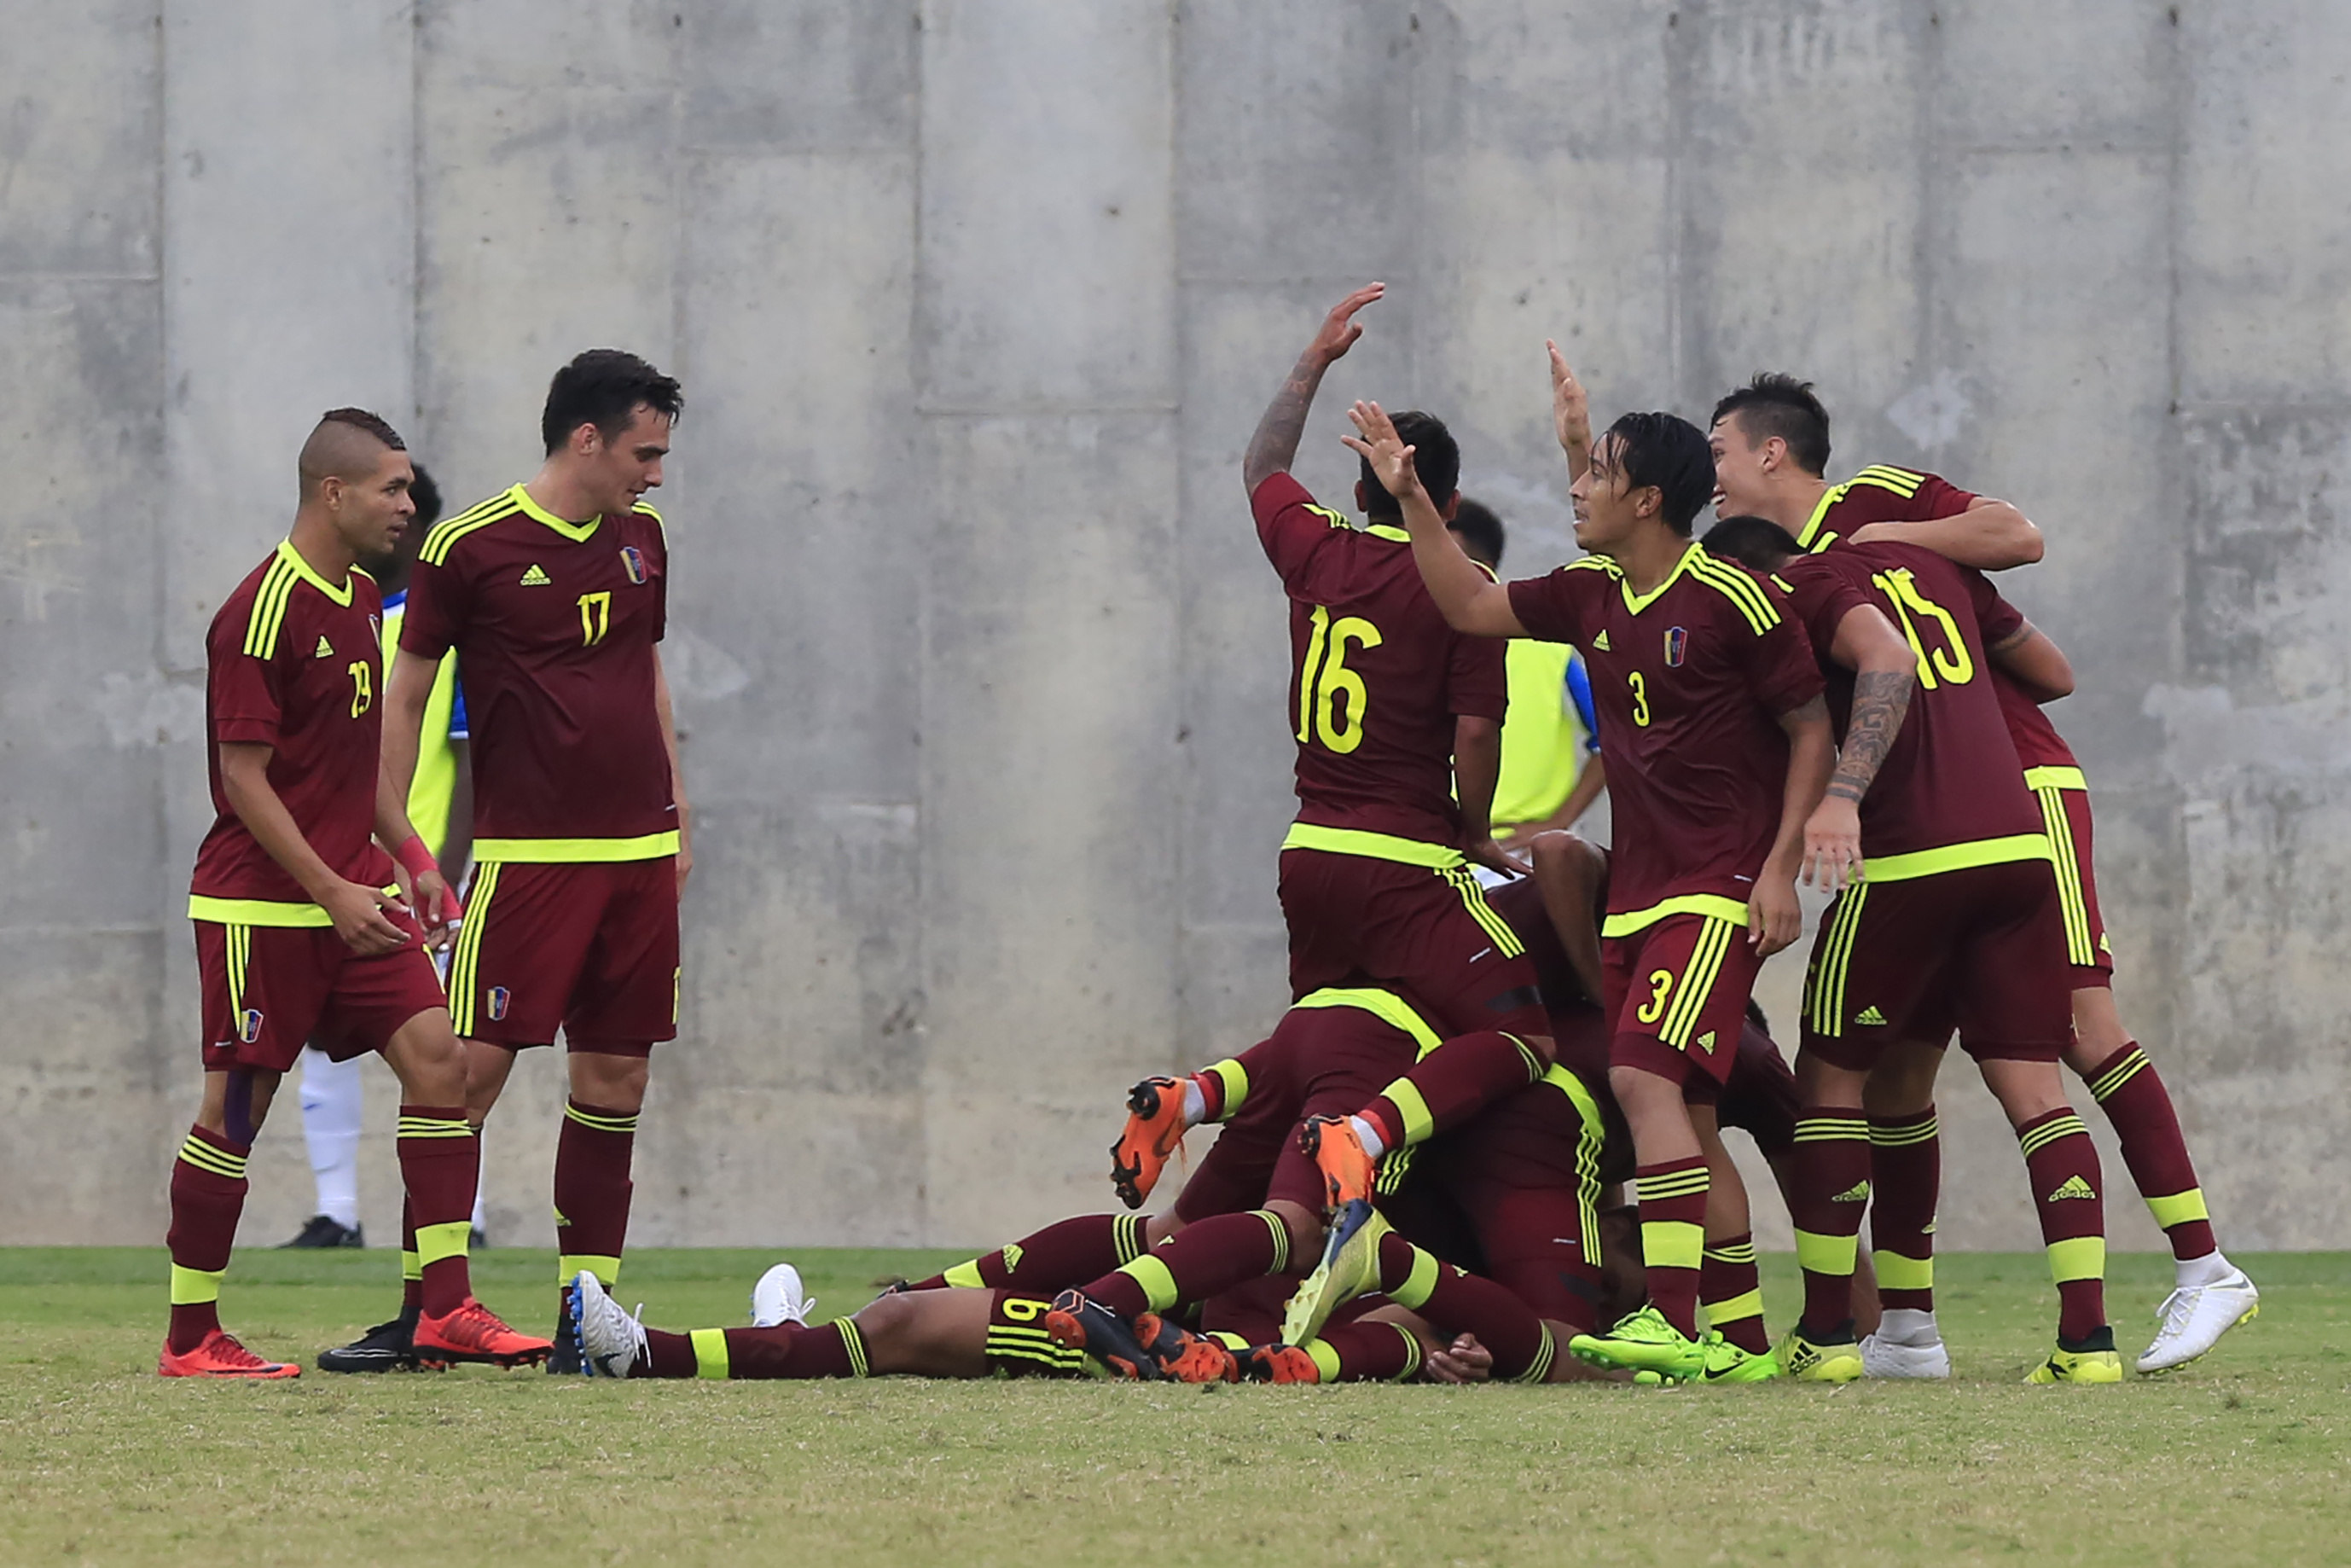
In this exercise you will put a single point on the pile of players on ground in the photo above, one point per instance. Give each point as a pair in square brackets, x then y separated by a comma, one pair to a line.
[1418, 1169]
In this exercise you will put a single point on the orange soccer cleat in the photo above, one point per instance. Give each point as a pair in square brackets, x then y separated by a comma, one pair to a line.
[1279, 1364]
[474, 1333]
[1154, 1129]
[1348, 1172]
[220, 1355]
[1183, 1357]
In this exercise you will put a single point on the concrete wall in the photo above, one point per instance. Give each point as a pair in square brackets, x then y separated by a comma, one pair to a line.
[976, 304]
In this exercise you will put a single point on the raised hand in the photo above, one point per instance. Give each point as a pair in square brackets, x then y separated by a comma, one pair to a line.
[1570, 408]
[1377, 443]
[1340, 328]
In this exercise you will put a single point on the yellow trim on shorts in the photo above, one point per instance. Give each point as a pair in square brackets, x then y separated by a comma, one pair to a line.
[1916, 863]
[1832, 959]
[1591, 1138]
[1385, 1006]
[1712, 906]
[1371, 846]
[1473, 897]
[1697, 976]
[2073, 899]
[266, 912]
[465, 960]
[574, 852]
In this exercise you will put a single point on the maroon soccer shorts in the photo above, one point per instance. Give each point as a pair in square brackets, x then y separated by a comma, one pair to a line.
[590, 947]
[2065, 808]
[1981, 950]
[270, 990]
[1017, 1345]
[1677, 996]
[1355, 917]
[1761, 1098]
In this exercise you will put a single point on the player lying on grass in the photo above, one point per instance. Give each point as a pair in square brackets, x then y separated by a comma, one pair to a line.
[300, 933]
[1957, 927]
[1770, 442]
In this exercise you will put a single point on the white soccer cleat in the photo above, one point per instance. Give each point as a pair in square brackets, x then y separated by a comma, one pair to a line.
[1882, 1357]
[2194, 1317]
[778, 1298]
[612, 1342]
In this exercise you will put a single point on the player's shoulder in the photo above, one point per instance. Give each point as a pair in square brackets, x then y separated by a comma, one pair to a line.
[281, 591]
[1904, 482]
[473, 524]
[1734, 591]
[644, 518]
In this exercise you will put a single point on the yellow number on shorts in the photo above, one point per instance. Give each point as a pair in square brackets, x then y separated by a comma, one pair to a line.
[1951, 661]
[1661, 985]
[595, 617]
[1640, 700]
[1319, 691]
[363, 687]
[1023, 1309]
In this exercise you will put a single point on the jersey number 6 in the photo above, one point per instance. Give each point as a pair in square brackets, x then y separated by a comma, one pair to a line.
[1319, 690]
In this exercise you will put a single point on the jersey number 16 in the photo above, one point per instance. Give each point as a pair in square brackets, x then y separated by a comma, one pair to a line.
[1325, 676]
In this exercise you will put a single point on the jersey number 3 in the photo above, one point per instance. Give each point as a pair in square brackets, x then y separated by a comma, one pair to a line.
[1325, 676]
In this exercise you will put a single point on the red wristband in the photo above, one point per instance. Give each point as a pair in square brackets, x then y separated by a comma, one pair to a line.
[414, 858]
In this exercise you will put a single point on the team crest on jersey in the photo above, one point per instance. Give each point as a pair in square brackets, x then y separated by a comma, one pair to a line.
[499, 998]
[1677, 647]
[249, 1025]
[633, 562]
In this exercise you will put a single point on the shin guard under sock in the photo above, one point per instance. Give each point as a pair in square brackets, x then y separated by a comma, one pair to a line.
[1906, 1183]
[1832, 1190]
[1673, 1236]
[208, 1189]
[440, 1161]
[592, 1190]
[2128, 1090]
[2063, 1165]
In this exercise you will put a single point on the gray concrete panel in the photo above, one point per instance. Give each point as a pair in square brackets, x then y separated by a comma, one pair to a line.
[803, 76]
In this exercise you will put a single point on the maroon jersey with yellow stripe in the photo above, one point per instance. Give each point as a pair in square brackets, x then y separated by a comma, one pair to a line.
[293, 662]
[554, 623]
[1689, 680]
[1882, 494]
[1376, 675]
[1950, 793]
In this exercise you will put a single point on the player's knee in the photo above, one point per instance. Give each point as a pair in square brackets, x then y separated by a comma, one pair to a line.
[888, 1323]
[1305, 1229]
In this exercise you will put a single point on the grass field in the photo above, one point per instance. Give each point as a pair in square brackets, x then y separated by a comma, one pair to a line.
[2243, 1458]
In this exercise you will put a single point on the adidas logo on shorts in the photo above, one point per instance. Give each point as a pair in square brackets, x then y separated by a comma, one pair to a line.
[2072, 1186]
[1857, 1193]
[1705, 1042]
[535, 575]
[1870, 1016]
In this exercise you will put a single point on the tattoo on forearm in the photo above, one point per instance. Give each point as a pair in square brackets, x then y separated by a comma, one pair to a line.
[1275, 445]
[1880, 698]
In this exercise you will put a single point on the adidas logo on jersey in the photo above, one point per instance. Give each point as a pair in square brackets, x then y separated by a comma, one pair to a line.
[1599, 643]
[2071, 1187]
[1870, 1016]
[326, 649]
[535, 575]
[1857, 1193]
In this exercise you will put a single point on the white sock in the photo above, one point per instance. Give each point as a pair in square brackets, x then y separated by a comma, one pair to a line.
[2208, 1269]
[1369, 1135]
[1907, 1325]
[481, 1204]
[1196, 1104]
[332, 1097]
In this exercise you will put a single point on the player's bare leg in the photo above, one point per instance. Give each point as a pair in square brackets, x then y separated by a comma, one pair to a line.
[2213, 1295]
[2063, 1166]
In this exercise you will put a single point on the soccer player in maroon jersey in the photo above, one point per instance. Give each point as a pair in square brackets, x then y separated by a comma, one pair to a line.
[1398, 724]
[555, 595]
[1958, 924]
[1770, 442]
[300, 933]
[1717, 748]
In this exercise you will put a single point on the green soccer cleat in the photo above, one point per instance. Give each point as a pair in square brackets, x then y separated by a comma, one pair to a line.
[1350, 1266]
[2091, 1360]
[1830, 1359]
[1645, 1341]
[1727, 1362]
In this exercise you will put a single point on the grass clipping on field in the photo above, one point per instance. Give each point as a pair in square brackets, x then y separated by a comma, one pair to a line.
[2244, 1457]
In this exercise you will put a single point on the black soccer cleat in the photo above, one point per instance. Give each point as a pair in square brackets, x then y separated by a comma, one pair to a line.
[565, 1359]
[323, 1230]
[387, 1347]
[1078, 1324]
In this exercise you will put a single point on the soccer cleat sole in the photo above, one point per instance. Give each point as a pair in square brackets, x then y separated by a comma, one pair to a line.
[1136, 1160]
[343, 1361]
[1076, 1323]
[1350, 1266]
[442, 1360]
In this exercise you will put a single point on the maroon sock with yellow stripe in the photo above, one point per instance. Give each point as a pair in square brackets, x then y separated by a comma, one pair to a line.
[788, 1351]
[2062, 1164]
[208, 1189]
[1366, 1353]
[2131, 1093]
[1906, 1183]
[592, 1190]
[1451, 1084]
[1831, 1192]
[1202, 1260]
[1732, 1291]
[1046, 1262]
[439, 1163]
[1673, 1236]
[1459, 1303]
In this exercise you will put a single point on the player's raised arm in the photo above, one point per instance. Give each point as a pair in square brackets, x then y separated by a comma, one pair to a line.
[1884, 671]
[1571, 413]
[1468, 598]
[1990, 535]
[1274, 447]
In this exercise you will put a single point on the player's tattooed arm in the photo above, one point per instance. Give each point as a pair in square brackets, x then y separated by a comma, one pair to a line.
[1880, 699]
[1990, 535]
[1884, 671]
[1274, 447]
[2035, 663]
[1465, 593]
[1571, 413]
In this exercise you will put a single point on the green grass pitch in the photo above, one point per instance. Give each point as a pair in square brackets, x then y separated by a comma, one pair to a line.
[2244, 1458]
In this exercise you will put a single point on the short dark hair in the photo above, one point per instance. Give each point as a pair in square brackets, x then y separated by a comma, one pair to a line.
[1670, 452]
[423, 491]
[1757, 543]
[1435, 457]
[1776, 403]
[1481, 531]
[603, 387]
